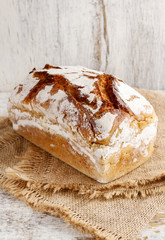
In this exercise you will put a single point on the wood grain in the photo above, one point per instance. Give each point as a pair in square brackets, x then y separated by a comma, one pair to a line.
[136, 33]
[18, 221]
[124, 37]
[37, 32]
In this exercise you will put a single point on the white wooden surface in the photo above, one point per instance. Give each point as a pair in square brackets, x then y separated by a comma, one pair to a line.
[123, 37]
[20, 222]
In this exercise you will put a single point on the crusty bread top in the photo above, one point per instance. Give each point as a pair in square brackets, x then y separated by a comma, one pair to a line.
[91, 103]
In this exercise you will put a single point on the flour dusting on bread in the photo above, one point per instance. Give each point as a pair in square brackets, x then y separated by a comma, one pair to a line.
[101, 120]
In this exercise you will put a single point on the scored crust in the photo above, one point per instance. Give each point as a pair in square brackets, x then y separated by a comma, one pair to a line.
[90, 120]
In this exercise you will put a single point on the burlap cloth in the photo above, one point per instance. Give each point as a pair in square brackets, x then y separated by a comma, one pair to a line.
[117, 210]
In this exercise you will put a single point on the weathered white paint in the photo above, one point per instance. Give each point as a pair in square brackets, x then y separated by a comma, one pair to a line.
[124, 37]
[18, 221]
[136, 33]
[34, 33]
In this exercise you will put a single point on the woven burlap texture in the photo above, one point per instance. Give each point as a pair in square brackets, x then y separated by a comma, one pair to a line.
[42, 170]
[47, 185]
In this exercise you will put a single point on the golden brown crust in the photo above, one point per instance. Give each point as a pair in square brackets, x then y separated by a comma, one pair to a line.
[62, 149]
[105, 92]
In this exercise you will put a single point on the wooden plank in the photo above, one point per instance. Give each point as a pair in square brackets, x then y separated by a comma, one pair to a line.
[18, 221]
[34, 33]
[136, 36]
[124, 37]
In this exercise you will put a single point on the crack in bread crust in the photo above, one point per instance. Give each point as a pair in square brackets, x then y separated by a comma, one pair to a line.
[92, 107]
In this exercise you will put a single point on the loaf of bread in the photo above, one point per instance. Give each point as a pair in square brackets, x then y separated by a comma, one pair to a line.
[90, 120]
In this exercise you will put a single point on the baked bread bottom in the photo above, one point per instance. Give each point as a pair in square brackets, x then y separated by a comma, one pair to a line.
[119, 164]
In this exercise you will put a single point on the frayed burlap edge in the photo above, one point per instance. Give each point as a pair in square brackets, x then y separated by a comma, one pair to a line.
[131, 189]
[20, 190]
[134, 189]
[8, 138]
[92, 194]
